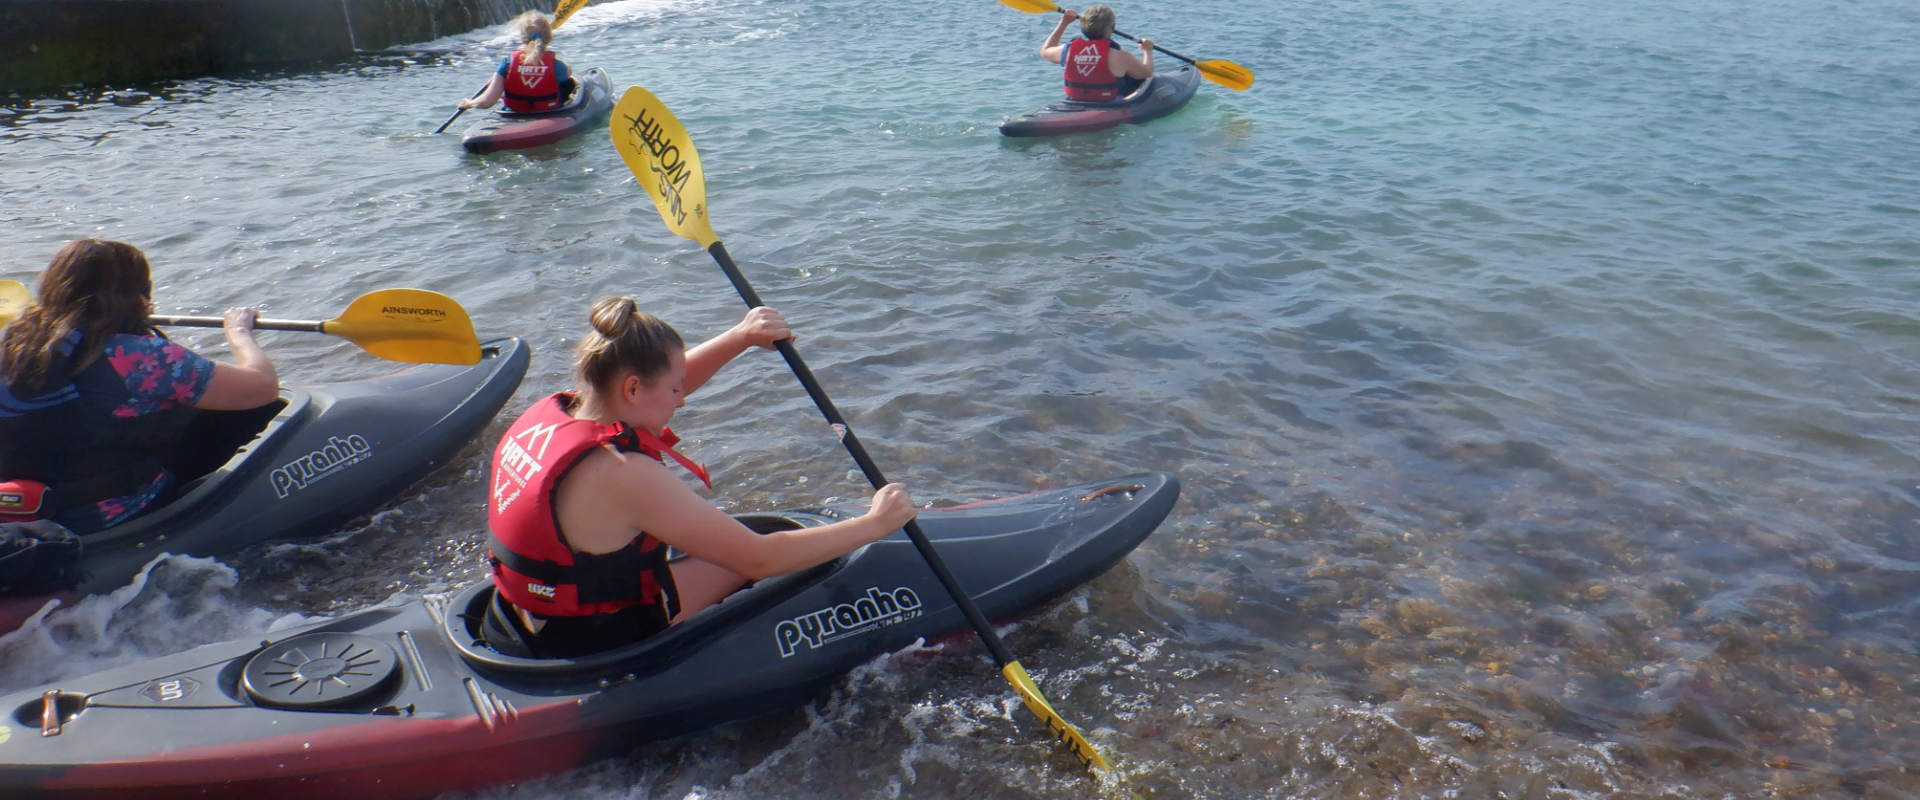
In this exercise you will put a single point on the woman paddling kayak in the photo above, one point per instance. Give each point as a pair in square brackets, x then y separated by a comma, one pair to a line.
[581, 525]
[531, 78]
[93, 400]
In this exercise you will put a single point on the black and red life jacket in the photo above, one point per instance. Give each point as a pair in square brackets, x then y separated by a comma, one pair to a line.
[532, 87]
[533, 566]
[1089, 77]
[66, 438]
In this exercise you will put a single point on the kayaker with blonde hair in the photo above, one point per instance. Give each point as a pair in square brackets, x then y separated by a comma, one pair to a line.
[1096, 69]
[582, 505]
[531, 78]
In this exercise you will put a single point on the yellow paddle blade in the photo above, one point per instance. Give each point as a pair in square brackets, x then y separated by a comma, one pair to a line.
[408, 325]
[658, 150]
[1031, 6]
[565, 9]
[1069, 735]
[14, 299]
[1226, 73]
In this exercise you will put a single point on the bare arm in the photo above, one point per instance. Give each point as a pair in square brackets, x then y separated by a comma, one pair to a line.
[488, 96]
[761, 327]
[1141, 68]
[252, 382]
[1050, 47]
[610, 495]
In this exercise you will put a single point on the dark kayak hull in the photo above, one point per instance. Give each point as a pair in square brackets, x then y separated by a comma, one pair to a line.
[321, 457]
[506, 130]
[425, 709]
[1163, 94]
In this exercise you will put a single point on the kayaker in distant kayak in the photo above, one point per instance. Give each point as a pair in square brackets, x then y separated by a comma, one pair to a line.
[93, 400]
[1097, 70]
[582, 506]
[531, 77]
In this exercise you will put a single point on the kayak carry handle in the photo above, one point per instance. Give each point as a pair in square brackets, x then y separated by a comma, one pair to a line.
[1129, 488]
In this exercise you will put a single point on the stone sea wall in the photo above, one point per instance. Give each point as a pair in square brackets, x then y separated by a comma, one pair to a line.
[51, 43]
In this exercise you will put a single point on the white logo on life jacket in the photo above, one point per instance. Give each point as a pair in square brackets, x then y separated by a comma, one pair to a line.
[540, 590]
[519, 461]
[337, 455]
[530, 74]
[875, 610]
[1085, 60]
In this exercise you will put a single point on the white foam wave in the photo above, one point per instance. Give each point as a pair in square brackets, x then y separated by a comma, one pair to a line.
[175, 603]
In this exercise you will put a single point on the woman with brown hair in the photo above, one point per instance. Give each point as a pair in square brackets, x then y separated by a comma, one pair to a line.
[93, 399]
[582, 506]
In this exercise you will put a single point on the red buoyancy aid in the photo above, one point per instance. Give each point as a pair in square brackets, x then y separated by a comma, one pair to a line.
[1089, 78]
[533, 566]
[532, 87]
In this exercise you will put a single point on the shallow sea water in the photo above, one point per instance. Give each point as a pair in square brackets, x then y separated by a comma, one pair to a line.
[1542, 378]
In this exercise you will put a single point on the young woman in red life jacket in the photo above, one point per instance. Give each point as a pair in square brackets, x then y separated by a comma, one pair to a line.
[1096, 69]
[530, 78]
[94, 401]
[582, 503]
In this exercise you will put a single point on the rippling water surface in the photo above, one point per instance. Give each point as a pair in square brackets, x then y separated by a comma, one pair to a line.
[1543, 377]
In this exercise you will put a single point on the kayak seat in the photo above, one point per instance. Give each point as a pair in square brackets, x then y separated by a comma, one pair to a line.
[502, 630]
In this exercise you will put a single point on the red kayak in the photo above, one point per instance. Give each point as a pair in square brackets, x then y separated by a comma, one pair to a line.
[1160, 95]
[507, 130]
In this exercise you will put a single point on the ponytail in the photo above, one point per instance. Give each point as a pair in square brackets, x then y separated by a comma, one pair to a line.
[536, 35]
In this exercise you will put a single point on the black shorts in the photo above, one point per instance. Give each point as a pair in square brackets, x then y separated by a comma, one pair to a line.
[569, 637]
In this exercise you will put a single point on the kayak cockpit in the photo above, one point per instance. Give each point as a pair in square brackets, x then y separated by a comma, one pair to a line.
[464, 627]
[213, 456]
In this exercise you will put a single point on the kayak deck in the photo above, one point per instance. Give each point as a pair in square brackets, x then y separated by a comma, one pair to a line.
[1160, 95]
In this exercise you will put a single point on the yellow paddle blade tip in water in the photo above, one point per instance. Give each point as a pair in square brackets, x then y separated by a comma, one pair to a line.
[1069, 735]
[409, 325]
[658, 150]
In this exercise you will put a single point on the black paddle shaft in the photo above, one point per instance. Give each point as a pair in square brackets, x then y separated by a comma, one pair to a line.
[458, 112]
[1157, 48]
[1001, 655]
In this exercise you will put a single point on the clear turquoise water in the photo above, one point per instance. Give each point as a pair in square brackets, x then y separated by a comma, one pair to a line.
[1542, 376]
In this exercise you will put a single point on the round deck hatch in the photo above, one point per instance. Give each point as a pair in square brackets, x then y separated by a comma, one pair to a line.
[320, 670]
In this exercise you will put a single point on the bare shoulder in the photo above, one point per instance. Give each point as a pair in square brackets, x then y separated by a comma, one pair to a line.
[609, 495]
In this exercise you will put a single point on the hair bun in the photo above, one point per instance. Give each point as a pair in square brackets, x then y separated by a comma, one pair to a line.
[613, 317]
